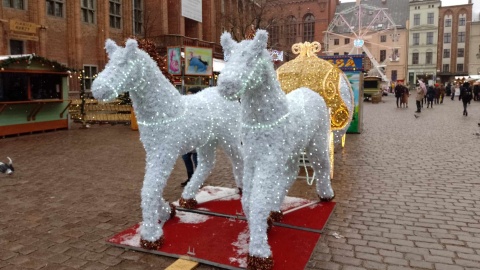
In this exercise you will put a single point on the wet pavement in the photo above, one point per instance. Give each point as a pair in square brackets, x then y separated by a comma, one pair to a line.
[407, 193]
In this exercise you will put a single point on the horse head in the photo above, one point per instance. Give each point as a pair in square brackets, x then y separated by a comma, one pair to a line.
[125, 71]
[245, 61]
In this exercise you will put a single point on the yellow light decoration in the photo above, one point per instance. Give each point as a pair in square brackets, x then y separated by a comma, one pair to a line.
[307, 70]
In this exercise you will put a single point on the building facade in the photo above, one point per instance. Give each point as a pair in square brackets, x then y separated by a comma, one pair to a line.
[474, 49]
[290, 22]
[423, 40]
[453, 46]
[73, 32]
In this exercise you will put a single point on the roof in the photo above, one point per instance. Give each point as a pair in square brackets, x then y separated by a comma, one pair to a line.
[397, 9]
[14, 61]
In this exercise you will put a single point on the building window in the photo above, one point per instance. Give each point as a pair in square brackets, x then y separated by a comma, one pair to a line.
[138, 16]
[274, 34]
[461, 52]
[429, 58]
[415, 58]
[88, 11]
[429, 38]
[308, 28]
[446, 53]
[336, 41]
[345, 53]
[18, 4]
[115, 14]
[16, 47]
[336, 53]
[462, 21]
[447, 38]
[291, 30]
[459, 67]
[430, 18]
[448, 22]
[446, 68]
[89, 74]
[394, 75]
[461, 37]
[416, 38]
[55, 8]
[383, 55]
[383, 38]
[347, 41]
[416, 19]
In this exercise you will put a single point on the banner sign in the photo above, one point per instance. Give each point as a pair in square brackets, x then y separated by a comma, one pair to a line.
[24, 27]
[192, 9]
[198, 61]
[352, 62]
[174, 60]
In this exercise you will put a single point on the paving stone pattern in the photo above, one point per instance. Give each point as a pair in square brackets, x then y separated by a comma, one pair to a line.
[407, 193]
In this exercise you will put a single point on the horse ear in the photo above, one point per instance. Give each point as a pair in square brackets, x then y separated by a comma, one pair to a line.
[131, 45]
[110, 46]
[227, 44]
[260, 40]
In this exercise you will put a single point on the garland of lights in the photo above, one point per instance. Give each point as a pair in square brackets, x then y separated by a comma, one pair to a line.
[169, 124]
[29, 58]
[272, 150]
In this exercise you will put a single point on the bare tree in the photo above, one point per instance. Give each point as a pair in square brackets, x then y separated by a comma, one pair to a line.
[244, 16]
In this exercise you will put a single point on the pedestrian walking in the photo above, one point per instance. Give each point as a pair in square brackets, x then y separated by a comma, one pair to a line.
[430, 96]
[466, 96]
[419, 98]
[442, 93]
[399, 90]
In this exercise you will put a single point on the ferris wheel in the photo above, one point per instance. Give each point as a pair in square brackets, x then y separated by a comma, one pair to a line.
[367, 26]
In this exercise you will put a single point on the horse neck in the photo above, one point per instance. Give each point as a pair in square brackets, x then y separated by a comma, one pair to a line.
[157, 100]
[266, 103]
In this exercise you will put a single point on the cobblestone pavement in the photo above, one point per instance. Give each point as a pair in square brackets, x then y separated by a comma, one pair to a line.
[407, 193]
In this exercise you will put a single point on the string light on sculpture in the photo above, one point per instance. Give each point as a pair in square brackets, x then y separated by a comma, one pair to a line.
[169, 124]
[272, 123]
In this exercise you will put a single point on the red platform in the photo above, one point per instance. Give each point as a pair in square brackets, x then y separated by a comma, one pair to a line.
[219, 234]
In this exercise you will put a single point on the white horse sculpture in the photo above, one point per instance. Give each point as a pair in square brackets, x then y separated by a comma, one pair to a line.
[276, 128]
[170, 124]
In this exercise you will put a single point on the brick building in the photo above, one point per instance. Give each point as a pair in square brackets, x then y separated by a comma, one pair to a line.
[453, 46]
[74, 32]
[291, 22]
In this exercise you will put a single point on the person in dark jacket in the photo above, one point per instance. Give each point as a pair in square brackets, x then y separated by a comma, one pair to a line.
[466, 96]
[431, 93]
[399, 90]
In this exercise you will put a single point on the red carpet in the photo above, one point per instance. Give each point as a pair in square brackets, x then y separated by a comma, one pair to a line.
[222, 241]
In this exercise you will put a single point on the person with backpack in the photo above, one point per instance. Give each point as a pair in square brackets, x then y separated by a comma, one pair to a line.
[466, 96]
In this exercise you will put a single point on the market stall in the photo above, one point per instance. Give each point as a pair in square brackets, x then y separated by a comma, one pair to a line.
[33, 93]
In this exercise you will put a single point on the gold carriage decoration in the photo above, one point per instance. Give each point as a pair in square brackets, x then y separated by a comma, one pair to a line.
[307, 70]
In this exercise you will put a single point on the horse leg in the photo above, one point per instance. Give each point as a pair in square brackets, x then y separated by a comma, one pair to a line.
[319, 156]
[261, 199]
[154, 208]
[233, 148]
[247, 186]
[289, 174]
[206, 162]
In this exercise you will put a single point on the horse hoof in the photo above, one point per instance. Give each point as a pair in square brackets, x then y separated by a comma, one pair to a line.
[240, 190]
[173, 210]
[189, 204]
[257, 263]
[152, 245]
[276, 216]
[327, 199]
